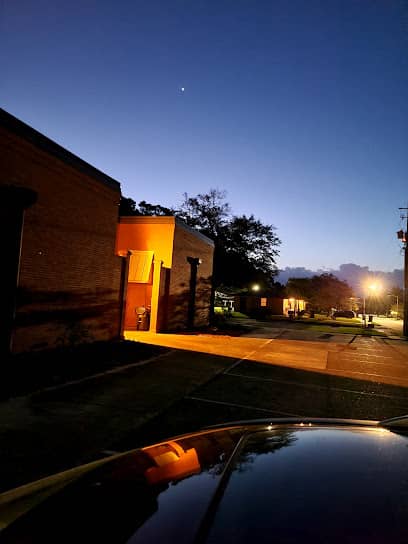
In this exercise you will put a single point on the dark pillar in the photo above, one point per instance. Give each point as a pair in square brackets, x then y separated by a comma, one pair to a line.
[124, 272]
[194, 264]
[13, 202]
[405, 325]
[403, 236]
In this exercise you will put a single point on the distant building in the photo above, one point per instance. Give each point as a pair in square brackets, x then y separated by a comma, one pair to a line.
[224, 301]
[61, 277]
[271, 305]
[169, 275]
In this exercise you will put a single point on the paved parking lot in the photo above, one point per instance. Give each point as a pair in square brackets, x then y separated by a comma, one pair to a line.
[362, 378]
[366, 358]
[203, 380]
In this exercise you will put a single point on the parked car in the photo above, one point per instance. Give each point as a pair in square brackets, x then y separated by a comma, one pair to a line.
[343, 313]
[280, 480]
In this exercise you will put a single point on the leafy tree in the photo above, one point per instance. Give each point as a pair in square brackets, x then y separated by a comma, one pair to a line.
[253, 241]
[392, 301]
[245, 248]
[299, 288]
[397, 292]
[330, 292]
[128, 206]
[154, 209]
[323, 292]
[207, 213]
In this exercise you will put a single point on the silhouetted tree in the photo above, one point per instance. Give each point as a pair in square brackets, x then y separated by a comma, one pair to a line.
[300, 288]
[209, 213]
[330, 292]
[145, 208]
[128, 206]
[245, 248]
[323, 291]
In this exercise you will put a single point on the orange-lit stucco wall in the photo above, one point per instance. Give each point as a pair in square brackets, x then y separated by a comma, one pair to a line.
[147, 234]
[138, 294]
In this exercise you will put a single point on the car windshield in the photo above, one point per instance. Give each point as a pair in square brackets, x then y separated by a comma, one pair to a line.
[204, 218]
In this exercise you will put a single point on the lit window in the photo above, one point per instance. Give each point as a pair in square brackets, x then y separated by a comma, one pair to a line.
[263, 302]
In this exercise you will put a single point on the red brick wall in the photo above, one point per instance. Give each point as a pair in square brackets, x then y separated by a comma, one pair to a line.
[187, 243]
[69, 276]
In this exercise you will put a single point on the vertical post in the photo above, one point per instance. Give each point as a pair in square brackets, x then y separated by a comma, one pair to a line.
[405, 326]
[404, 237]
[194, 263]
[157, 267]
[13, 203]
[124, 272]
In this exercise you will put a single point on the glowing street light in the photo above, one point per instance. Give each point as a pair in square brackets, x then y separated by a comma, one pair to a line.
[256, 287]
[375, 287]
[371, 289]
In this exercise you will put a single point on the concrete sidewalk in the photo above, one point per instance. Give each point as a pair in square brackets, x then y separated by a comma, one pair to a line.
[359, 357]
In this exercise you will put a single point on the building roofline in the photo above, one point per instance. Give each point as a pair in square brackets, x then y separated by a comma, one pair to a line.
[199, 234]
[166, 220]
[134, 219]
[23, 130]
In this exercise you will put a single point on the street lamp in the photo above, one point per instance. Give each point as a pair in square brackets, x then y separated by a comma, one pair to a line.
[374, 288]
[256, 287]
[395, 296]
[403, 236]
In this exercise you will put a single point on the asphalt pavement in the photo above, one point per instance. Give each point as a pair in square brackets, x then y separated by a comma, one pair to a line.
[204, 379]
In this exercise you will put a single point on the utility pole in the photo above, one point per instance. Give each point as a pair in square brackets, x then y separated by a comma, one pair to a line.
[403, 236]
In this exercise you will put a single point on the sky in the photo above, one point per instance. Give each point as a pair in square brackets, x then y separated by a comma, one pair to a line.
[297, 108]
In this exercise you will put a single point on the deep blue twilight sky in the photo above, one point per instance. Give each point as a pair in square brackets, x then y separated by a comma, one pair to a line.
[297, 108]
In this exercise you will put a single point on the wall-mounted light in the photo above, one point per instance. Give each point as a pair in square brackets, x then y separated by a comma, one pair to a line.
[195, 261]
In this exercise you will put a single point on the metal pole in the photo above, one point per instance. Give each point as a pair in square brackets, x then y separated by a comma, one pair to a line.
[404, 236]
[405, 326]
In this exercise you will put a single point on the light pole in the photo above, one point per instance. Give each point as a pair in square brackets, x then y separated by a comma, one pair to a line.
[396, 296]
[403, 236]
[374, 288]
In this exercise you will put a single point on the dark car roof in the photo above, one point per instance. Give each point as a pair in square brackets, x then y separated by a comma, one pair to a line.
[284, 482]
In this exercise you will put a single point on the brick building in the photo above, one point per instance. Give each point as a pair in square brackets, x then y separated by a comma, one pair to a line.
[60, 214]
[170, 269]
[268, 305]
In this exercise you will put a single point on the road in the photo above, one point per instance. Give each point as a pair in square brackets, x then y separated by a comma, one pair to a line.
[339, 376]
[389, 323]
